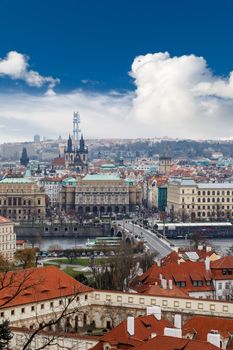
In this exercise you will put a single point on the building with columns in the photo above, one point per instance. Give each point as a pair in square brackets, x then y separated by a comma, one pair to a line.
[21, 199]
[100, 194]
[200, 201]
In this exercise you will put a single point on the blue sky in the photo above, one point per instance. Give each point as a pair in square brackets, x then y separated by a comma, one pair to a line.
[90, 45]
[97, 40]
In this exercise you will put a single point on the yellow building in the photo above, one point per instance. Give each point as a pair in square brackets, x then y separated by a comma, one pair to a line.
[100, 194]
[202, 201]
[21, 199]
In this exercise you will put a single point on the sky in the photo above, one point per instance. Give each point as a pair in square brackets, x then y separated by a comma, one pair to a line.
[131, 68]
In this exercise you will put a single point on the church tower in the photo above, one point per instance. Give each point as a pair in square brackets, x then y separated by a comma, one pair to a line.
[69, 153]
[76, 154]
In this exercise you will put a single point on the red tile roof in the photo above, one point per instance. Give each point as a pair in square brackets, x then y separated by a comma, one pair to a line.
[172, 343]
[202, 325]
[223, 263]
[37, 284]
[59, 161]
[159, 291]
[184, 272]
[143, 328]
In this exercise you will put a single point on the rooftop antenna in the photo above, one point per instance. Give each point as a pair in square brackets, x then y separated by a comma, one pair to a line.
[76, 129]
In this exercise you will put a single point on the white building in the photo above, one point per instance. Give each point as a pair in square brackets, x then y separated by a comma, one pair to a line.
[7, 238]
[52, 186]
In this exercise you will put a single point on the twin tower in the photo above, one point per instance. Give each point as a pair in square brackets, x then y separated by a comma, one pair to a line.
[76, 153]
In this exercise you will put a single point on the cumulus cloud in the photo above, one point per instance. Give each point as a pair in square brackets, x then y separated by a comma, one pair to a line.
[174, 96]
[180, 96]
[15, 66]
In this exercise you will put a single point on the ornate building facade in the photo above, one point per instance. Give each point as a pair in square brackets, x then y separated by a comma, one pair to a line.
[21, 199]
[100, 194]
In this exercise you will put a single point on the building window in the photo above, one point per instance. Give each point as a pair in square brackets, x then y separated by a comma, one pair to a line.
[42, 306]
[12, 312]
[33, 308]
[23, 310]
[51, 304]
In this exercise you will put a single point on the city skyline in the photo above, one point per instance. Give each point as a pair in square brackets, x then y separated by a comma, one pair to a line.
[131, 70]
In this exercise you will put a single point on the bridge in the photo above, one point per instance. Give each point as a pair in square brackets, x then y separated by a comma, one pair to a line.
[131, 232]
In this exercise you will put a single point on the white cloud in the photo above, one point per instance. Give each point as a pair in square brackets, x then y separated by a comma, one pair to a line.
[174, 96]
[181, 97]
[15, 66]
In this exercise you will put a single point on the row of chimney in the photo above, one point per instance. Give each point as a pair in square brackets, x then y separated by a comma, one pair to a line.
[213, 337]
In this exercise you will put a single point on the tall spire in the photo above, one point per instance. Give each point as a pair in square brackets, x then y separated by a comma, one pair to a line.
[81, 144]
[69, 145]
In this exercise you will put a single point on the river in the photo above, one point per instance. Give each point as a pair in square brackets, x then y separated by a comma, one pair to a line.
[219, 244]
[64, 243]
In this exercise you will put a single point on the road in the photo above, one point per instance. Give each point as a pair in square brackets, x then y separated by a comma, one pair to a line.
[153, 242]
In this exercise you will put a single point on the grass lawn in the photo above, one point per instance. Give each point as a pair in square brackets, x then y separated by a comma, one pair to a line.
[77, 261]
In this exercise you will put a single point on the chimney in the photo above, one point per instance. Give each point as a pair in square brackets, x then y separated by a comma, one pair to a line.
[177, 321]
[153, 335]
[158, 263]
[214, 338]
[130, 325]
[164, 283]
[154, 310]
[200, 247]
[170, 284]
[207, 263]
[173, 332]
[208, 248]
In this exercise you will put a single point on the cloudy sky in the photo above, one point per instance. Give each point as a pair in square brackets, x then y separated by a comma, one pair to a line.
[132, 70]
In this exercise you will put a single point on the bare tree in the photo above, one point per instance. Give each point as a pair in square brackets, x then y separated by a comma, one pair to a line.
[117, 271]
[57, 316]
[14, 283]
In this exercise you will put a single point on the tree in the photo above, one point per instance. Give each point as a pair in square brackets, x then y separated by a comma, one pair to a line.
[56, 317]
[147, 260]
[18, 282]
[196, 240]
[117, 271]
[26, 257]
[24, 160]
[5, 334]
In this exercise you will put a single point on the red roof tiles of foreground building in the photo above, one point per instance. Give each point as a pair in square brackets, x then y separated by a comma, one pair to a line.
[184, 272]
[37, 284]
[159, 291]
[144, 326]
[224, 263]
[200, 326]
[181, 255]
[171, 343]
